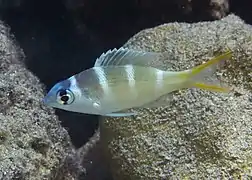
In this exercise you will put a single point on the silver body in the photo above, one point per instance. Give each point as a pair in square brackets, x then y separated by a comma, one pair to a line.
[123, 79]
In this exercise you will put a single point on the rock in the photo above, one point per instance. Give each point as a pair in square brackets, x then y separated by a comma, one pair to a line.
[93, 160]
[41, 40]
[33, 145]
[218, 8]
[200, 134]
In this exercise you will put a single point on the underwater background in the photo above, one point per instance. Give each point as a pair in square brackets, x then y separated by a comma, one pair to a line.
[48, 41]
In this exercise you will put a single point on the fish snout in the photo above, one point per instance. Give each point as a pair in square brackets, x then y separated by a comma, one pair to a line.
[47, 100]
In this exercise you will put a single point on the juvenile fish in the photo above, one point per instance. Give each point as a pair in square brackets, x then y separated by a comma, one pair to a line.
[123, 79]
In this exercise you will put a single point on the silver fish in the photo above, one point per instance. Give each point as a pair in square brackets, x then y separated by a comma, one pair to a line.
[123, 79]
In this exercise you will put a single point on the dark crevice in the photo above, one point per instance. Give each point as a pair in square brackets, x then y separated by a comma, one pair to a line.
[242, 8]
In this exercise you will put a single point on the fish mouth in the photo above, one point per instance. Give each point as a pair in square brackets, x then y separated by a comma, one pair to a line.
[47, 100]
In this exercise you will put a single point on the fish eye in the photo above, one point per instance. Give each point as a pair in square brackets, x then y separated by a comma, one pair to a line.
[65, 97]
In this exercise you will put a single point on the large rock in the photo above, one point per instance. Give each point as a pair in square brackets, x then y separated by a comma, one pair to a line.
[33, 145]
[200, 134]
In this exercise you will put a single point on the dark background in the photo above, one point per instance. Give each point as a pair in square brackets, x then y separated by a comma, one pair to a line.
[61, 38]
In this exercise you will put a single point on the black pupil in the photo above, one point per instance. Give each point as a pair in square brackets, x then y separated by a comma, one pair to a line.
[64, 98]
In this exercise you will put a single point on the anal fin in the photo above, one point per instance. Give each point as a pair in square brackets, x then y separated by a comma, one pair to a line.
[120, 114]
[160, 102]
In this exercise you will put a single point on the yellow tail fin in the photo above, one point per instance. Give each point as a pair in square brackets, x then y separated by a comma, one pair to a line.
[211, 87]
[198, 74]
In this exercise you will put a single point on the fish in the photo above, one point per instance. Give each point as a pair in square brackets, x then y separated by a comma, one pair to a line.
[124, 79]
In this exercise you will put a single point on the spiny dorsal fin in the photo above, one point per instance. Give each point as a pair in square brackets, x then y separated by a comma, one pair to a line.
[124, 56]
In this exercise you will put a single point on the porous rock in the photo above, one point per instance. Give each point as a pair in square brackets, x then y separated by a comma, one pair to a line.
[33, 145]
[199, 134]
[93, 160]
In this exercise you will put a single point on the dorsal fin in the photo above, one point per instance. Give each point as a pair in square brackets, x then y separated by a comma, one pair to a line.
[124, 56]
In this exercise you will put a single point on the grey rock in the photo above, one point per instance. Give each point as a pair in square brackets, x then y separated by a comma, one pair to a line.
[33, 145]
[93, 160]
[199, 134]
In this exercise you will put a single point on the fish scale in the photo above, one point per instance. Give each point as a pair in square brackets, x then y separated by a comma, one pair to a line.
[121, 89]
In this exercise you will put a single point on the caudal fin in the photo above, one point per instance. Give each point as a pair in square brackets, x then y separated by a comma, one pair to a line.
[204, 75]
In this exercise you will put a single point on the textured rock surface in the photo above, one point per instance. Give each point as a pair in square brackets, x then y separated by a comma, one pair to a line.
[93, 160]
[201, 134]
[33, 145]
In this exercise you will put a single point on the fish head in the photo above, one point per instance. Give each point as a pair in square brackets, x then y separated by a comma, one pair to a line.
[68, 96]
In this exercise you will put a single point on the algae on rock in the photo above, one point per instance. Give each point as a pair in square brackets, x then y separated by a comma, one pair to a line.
[199, 134]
